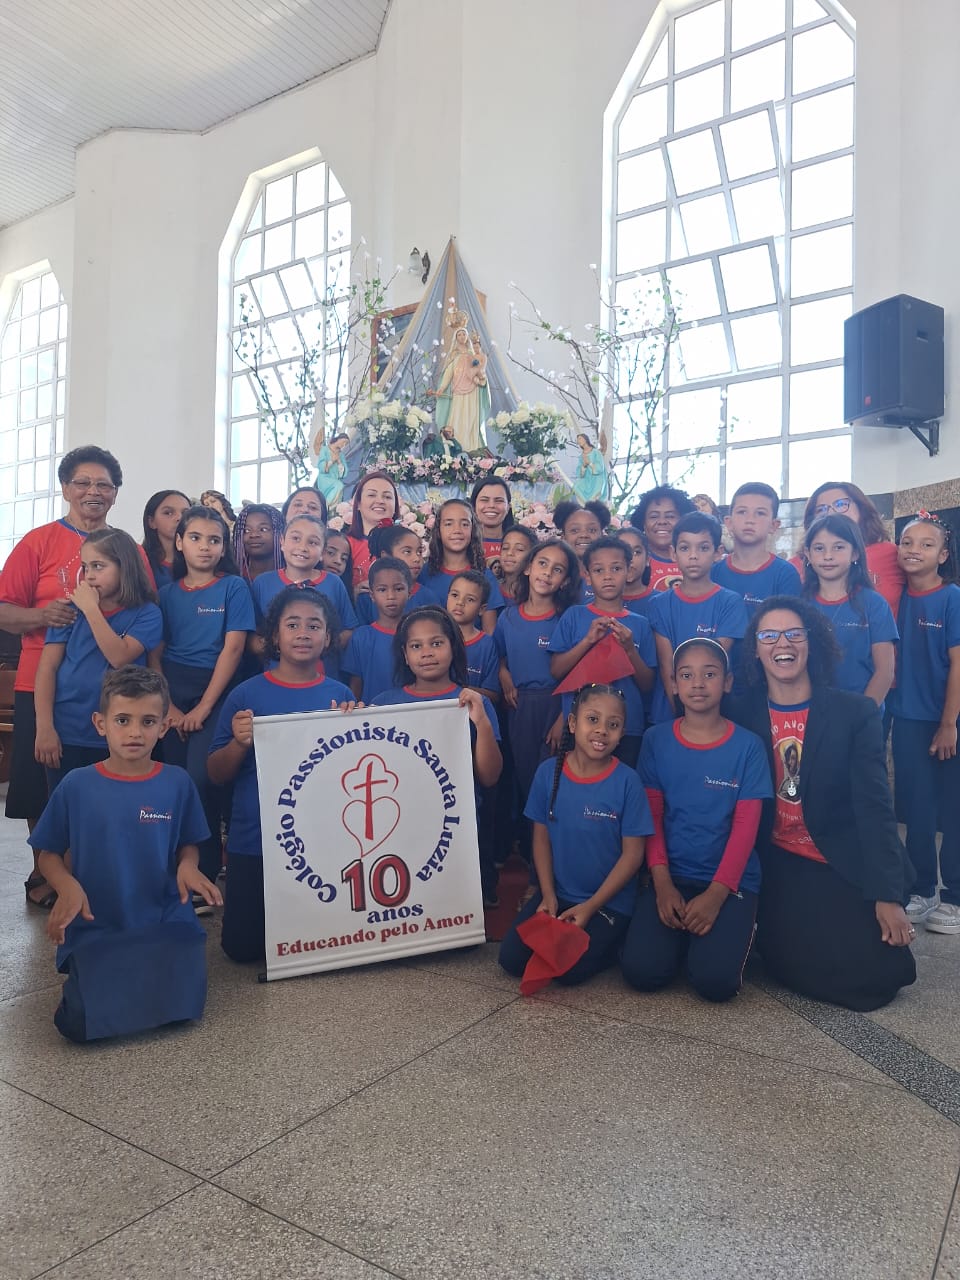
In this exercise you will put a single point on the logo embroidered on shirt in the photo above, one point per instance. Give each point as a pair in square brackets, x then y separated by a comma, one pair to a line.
[595, 814]
[149, 814]
[201, 608]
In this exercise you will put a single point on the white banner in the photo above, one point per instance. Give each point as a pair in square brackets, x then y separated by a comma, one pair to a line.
[369, 835]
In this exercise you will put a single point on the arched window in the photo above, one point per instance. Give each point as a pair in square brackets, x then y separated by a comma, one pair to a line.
[33, 384]
[290, 276]
[732, 179]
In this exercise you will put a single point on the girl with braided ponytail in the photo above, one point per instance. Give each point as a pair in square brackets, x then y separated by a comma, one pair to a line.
[590, 817]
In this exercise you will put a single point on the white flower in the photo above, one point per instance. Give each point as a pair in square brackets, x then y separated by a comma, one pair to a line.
[520, 416]
[377, 397]
[502, 419]
[412, 420]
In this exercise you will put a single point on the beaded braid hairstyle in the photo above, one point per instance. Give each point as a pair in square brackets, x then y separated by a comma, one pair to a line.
[227, 565]
[566, 742]
[429, 613]
[569, 593]
[304, 596]
[949, 571]
[475, 552]
[276, 520]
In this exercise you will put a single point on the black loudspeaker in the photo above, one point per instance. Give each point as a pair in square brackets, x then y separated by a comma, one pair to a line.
[893, 363]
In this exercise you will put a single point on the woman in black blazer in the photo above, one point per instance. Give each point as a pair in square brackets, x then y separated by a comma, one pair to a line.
[831, 923]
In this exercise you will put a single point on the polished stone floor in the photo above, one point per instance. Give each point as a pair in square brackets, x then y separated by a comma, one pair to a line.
[422, 1120]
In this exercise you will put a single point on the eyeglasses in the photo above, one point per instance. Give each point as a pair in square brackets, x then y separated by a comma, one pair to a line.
[795, 635]
[98, 486]
[840, 505]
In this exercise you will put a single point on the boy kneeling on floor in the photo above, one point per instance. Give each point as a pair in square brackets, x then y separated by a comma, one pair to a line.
[118, 842]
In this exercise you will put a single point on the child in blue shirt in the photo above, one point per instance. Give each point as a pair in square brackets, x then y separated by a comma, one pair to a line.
[368, 659]
[128, 938]
[207, 614]
[117, 623]
[751, 569]
[583, 626]
[837, 581]
[302, 548]
[705, 780]
[400, 543]
[926, 706]
[298, 627]
[695, 606]
[466, 600]
[590, 818]
[548, 584]
[456, 544]
[430, 665]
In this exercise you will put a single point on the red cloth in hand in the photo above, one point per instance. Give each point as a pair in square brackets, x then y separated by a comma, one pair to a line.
[557, 945]
[601, 664]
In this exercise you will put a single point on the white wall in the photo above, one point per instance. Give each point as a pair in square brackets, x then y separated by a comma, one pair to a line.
[908, 197]
[479, 121]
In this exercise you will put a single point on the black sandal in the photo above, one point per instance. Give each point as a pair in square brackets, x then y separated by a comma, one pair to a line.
[34, 881]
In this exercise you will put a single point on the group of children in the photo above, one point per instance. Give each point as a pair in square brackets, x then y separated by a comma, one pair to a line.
[593, 664]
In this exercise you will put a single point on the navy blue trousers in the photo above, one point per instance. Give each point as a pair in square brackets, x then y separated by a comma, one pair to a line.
[653, 954]
[927, 794]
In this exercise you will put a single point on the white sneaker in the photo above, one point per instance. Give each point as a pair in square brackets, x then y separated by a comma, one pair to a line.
[200, 905]
[919, 908]
[945, 919]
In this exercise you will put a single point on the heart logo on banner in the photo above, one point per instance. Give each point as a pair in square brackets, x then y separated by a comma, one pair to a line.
[373, 817]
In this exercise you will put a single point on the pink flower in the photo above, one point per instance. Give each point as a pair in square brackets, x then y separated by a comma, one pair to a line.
[485, 463]
[425, 508]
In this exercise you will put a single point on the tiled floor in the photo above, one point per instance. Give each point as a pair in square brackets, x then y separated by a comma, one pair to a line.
[421, 1120]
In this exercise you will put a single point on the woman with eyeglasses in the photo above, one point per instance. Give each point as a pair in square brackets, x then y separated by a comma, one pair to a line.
[39, 576]
[846, 499]
[831, 923]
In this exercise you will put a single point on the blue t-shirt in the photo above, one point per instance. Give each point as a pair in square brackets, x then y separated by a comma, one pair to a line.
[436, 583]
[127, 865]
[195, 622]
[483, 663]
[929, 629]
[701, 786]
[524, 644]
[722, 613]
[162, 573]
[640, 604]
[81, 672]
[591, 816]
[369, 655]
[268, 585]
[858, 624]
[571, 629]
[775, 578]
[264, 695]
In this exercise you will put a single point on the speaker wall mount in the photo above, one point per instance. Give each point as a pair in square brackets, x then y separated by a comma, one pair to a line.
[893, 368]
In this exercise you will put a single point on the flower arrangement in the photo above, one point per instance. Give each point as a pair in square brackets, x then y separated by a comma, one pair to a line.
[464, 470]
[533, 430]
[388, 428]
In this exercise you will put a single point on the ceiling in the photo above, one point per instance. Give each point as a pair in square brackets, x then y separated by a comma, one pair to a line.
[70, 71]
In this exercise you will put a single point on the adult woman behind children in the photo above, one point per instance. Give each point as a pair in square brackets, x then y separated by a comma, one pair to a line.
[375, 501]
[831, 923]
[39, 576]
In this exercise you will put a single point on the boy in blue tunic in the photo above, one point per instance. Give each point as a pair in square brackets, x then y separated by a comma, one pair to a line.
[751, 569]
[695, 606]
[127, 934]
